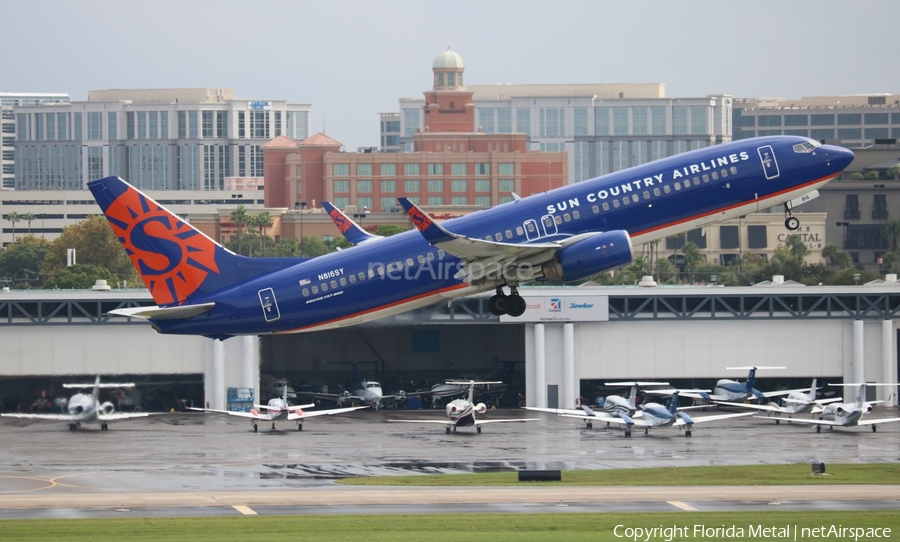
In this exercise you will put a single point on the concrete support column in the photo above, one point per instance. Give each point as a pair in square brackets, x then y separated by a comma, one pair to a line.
[570, 386]
[540, 367]
[859, 368]
[218, 376]
[888, 374]
[249, 365]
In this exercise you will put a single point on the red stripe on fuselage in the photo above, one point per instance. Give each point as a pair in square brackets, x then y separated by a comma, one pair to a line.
[695, 217]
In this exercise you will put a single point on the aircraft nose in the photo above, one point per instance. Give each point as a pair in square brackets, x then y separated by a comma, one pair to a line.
[839, 157]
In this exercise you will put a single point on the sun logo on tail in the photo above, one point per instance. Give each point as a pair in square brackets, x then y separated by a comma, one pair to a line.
[339, 220]
[172, 258]
[419, 219]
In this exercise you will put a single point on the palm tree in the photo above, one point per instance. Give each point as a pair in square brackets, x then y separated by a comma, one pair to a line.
[894, 171]
[14, 217]
[28, 217]
[891, 230]
[263, 221]
[240, 216]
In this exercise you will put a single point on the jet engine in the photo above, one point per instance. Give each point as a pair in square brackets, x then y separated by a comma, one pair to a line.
[107, 408]
[480, 408]
[590, 256]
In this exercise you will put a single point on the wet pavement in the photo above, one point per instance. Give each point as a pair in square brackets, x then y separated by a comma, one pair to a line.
[184, 453]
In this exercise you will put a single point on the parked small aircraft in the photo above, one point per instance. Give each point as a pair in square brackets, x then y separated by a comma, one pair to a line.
[613, 405]
[275, 387]
[797, 402]
[848, 414]
[364, 391]
[461, 412]
[279, 409]
[86, 408]
[735, 391]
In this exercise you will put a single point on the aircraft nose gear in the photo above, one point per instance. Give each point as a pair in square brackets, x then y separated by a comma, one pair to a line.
[512, 304]
[790, 221]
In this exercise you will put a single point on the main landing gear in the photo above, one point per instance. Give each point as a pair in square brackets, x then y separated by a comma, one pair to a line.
[511, 304]
[790, 221]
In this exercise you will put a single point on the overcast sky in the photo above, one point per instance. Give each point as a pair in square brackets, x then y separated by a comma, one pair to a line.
[353, 59]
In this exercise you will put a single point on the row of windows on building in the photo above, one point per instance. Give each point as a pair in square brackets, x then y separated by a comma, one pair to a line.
[818, 119]
[619, 120]
[413, 186]
[415, 170]
[879, 207]
[826, 133]
[155, 125]
[390, 204]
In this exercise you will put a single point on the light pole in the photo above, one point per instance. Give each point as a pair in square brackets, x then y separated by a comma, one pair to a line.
[302, 206]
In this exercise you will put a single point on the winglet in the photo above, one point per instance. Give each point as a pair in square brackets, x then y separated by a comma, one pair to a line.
[426, 225]
[348, 227]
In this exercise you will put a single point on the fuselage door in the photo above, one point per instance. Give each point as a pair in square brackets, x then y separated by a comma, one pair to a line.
[531, 229]
[549, 225]
[769, 164]
[269, 305]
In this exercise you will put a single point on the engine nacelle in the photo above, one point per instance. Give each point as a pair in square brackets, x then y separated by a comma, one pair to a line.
[480, 408]
[596, 254]
[107, 408]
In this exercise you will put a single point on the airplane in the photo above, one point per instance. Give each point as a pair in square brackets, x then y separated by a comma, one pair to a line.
[274, 387]
[461, 412]
[658, 415]
[505, 374]
[86, 408]
[569, 233]
[848, 414]
[365, 391]
[797, 402]
[279, 409]
[613, 405]
[735, 391]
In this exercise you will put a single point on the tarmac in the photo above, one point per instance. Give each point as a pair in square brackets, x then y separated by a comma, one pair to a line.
[191, 464]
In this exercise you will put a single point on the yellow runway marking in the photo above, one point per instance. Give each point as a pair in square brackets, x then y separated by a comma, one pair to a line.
[681, 505]
[246, 510]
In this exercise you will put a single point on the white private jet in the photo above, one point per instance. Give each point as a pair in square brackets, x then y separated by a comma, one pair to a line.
[279, 409]
[613, 405]
[848, 414]
[461, 412]
[797, 402]
[657, 415]
[86, 408]
[274, 387]
[367, 392]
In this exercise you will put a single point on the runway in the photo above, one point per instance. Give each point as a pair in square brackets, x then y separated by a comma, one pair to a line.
[200, 464]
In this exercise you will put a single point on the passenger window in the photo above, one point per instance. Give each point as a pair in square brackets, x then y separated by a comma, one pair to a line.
[530, 227]
[441, 254]
[324, 287]
[509, 234]
[519, 231]
[715, 175]
[487, 238]
[344, 281]
[595, 209]
[696, 181]
[558, 219]
[626, 200]
[616, 203]
[410, 262]
[635, 198]
[420, 259]
[315, 290]
[687, 183]
[305, 292]
[334, 285]
[381, 271]
[567, 217]
[352, 279]
[724, 173]
[605, 206]
[498, 236]
[646, 194]
[576, 215]
[656, 191]
[362, 276]
[371, 273]
[705, 178]
[667, 190]
[431, 256]
[733, 170]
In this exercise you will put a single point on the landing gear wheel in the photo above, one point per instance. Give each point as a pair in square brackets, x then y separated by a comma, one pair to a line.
[497, 304]
[255, 428]
[105, 426]
[818, 429]
[628, 433]
[515, 305]
[777, 422]
[454, 429]
[646, 430]
[478, 428]
[448, 429]
[72, 427]
[590, 425]
[687, 433]
[299, 427]
[791, 223]
[874, 428]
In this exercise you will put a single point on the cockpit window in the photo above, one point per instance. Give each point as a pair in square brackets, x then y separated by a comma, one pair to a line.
[806, 147]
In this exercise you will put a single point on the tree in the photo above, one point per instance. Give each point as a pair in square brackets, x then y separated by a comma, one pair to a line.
[891, 231]
[692, 258]
[14, 217]
[386, 230]
[95, 244]
[799, 250]
[28, 217]
[80, 277]
[836, 257]
[894, 171]
[240, 216]
[263, 220]
[28, 254]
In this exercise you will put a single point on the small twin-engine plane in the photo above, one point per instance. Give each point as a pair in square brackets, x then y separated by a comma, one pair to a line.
[797, 402]
[613, 405]
[848, 414]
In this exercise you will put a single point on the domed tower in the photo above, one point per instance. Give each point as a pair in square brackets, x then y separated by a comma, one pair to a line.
[448, 71]
[448, 105]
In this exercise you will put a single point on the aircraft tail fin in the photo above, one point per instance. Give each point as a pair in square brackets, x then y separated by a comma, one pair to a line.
[673, 403]
[351, 230]
[174, 259]
[860, 400]
[812, 390]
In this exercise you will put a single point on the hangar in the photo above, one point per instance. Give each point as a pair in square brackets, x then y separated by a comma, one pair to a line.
[568, 336]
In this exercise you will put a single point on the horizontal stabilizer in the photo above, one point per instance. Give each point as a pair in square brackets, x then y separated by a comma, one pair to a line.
[164, 313]
[104, 385]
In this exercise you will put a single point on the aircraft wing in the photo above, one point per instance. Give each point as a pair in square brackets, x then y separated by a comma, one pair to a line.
[266, 407]
[779, 393]
[865, 421]
[631, 422]
[751, 406]
[349, 228]
[234, 413]
[572, 412]
[474, 251]
[679, 422]
[124, 415]
[506, 420]
[35, 416]
[809, 421]
[442, 422]
[328, 412]
[165, 313]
